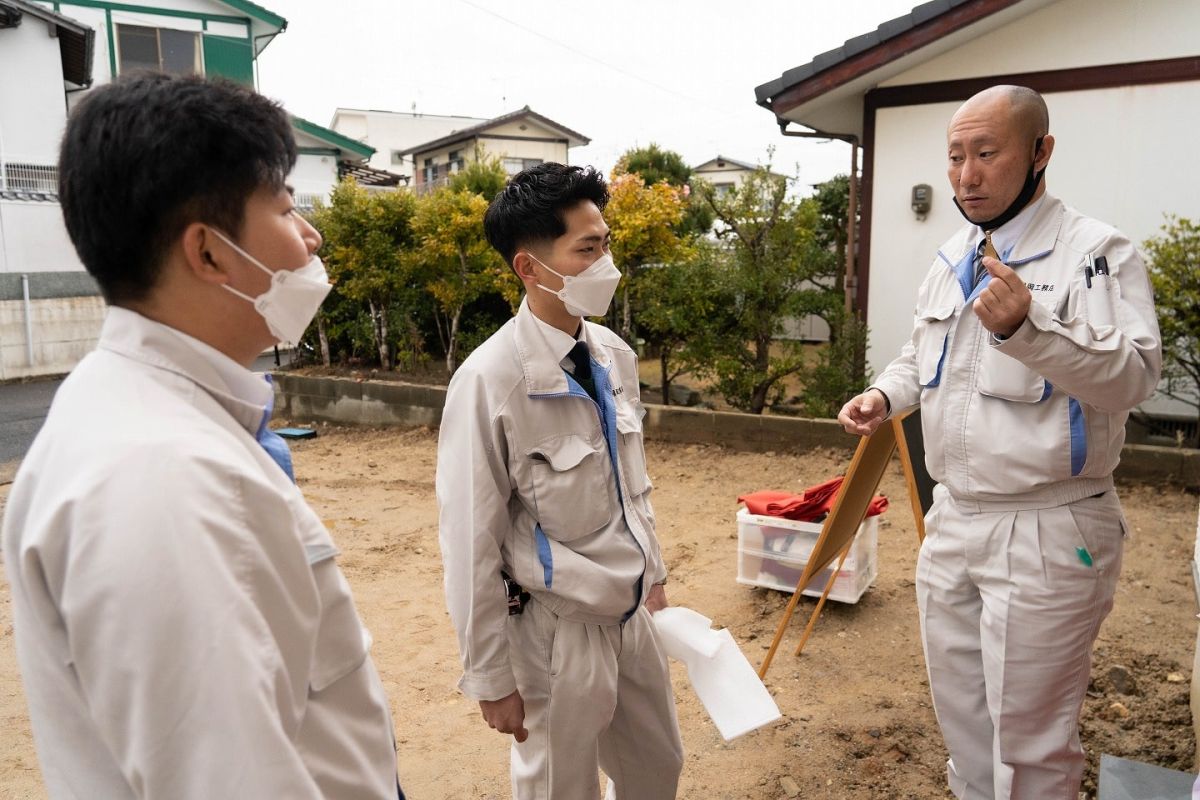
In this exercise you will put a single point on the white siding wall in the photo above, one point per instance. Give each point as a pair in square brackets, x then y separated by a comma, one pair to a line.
[387, 131]
[32, 109]
[1067, 34]
[722, 175]
[516, 148]
[314, 174]
[33, 238]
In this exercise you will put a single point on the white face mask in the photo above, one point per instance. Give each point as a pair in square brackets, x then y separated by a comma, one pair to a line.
[589, 293]
[292, 300]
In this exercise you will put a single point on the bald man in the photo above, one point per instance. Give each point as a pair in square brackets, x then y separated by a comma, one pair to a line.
[1034, 335]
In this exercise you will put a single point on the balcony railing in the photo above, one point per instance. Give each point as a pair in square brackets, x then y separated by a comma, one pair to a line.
[28, 177]
[426, 187]
[307, 201]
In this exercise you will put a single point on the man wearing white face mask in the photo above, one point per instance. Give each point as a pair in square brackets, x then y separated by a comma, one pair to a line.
[182, 626]
[547, 533]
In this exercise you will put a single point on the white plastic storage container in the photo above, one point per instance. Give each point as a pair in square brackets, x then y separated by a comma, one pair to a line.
[772, 552]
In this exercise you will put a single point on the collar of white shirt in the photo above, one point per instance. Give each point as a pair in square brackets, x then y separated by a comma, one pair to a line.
[1007, 235]
[244, 394]
[555, 341]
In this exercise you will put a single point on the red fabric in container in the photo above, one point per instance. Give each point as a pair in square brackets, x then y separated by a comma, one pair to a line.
[811, 504]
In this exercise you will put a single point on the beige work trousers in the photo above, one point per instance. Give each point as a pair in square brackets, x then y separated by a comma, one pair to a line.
[596, 696]
[1010, 605]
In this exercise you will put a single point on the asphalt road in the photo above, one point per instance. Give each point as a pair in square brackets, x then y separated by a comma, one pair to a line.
[23, 408]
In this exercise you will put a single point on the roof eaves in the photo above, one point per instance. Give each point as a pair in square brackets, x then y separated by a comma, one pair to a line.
[265, 25]
[76, 40]
[470, 132]
[259, 13]
[35, 10]
[563, 128]
[733, 161]
[333, 137]
[854, 47]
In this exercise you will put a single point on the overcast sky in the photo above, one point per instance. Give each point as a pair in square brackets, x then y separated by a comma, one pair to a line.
[621, 72]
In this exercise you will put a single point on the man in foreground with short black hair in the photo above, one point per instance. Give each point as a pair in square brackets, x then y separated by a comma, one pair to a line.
[182, 627]
[552, 564]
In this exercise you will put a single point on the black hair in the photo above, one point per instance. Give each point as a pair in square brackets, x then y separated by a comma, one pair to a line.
[531, 207]
[147, 155]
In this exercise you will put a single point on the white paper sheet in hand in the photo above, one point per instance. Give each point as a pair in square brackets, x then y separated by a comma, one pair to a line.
[722, 678]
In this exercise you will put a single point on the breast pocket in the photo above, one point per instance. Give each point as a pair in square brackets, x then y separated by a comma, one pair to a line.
[1008, 379]
[342, 641]
[930, 338]
[570, 485]
[633, 448]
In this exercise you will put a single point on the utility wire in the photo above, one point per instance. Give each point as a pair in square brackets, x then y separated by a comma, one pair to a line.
[582, 53]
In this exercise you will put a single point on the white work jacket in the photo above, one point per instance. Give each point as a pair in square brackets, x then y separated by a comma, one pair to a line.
[182, 628]
[1038, 419]
[536, 479]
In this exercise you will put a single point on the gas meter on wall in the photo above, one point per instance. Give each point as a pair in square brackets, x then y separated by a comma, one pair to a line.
[922, 199]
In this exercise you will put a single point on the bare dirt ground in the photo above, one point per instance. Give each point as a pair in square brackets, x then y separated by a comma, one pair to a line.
[857, 717]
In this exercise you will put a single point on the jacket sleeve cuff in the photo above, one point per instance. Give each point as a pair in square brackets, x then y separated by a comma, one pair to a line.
[488, 686]
[1024, 338]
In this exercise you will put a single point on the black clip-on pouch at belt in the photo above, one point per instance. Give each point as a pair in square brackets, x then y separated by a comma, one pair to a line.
[517, 597]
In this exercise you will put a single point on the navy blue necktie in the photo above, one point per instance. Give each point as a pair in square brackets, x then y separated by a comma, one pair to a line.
[581, 358]
[979, 269]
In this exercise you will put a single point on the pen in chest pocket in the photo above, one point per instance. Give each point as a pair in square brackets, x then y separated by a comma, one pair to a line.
[1099, 298]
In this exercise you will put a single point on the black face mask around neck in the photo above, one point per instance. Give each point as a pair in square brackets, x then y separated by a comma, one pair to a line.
[1023, 197]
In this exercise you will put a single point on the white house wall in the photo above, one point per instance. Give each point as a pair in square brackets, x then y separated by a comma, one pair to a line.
[32, 110]
[314, 175]
[1120, 155]
[387, 131]
[517, 148]
[33, 238]
[1069, 34]
[734, 176]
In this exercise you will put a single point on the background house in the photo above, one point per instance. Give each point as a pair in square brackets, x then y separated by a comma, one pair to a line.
[520, 139]
[1122, 81]
[392, 133]
[51, 54]
[723, 173]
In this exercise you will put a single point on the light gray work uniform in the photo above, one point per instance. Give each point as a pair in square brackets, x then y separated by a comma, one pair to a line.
[539, 481]
[1024, 539]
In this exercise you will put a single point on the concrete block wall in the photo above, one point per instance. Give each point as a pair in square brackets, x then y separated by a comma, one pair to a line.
[348, 402]
[65, 329]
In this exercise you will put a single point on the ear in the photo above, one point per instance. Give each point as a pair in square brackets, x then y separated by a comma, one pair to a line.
[204, 254]
[1042, 157]
[523, 265]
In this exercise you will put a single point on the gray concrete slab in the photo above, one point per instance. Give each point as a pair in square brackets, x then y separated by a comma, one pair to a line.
[1122, 779]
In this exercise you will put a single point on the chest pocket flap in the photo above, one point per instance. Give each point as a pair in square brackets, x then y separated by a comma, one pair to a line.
[930, 341]
[570, 474]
